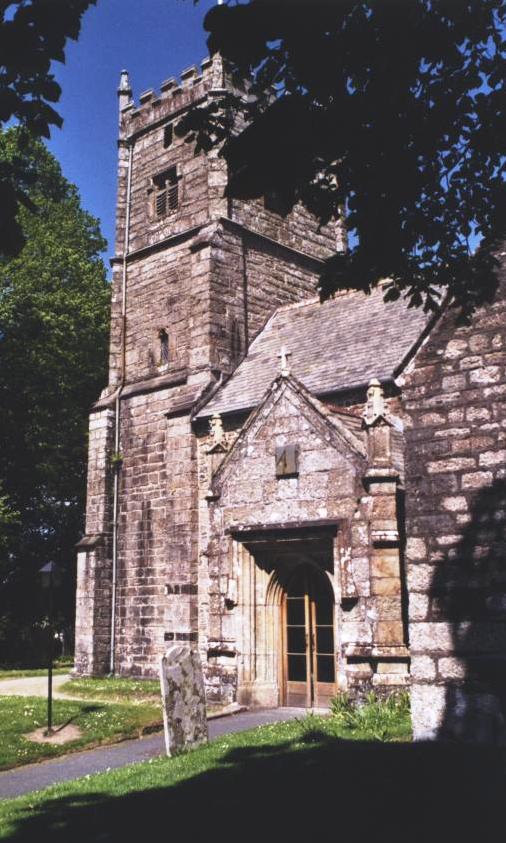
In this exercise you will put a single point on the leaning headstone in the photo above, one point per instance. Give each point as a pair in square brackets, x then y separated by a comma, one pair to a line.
[184, 701]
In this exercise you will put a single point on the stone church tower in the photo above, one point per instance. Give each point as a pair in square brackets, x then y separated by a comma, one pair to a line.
[195, 276]
[247, 474]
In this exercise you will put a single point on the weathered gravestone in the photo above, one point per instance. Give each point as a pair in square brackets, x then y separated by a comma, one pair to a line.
[183, 697]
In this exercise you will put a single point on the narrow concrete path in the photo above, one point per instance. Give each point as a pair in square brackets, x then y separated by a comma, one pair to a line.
[34, 686]
[34, 777]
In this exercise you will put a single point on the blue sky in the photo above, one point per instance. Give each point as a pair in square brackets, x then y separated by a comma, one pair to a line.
[153, 40]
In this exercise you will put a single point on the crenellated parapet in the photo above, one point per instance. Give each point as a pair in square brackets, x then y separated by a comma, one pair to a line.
[195, 84]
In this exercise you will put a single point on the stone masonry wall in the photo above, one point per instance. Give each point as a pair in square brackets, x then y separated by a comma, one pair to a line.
[455, 396]
[298, 229]
[250, 278]
[157, 533]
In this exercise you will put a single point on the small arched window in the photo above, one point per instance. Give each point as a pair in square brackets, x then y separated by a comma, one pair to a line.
[164, 346]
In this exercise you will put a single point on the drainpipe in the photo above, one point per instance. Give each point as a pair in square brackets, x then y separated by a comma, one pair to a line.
[117, 418]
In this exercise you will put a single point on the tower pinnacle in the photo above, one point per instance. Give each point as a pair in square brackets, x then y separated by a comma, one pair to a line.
[124, 90]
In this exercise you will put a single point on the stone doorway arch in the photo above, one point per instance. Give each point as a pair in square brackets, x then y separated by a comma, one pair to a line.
[264, 573]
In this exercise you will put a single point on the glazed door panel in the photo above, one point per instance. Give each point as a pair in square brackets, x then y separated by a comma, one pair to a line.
[323, 645]
[297, 651]
[308, 641]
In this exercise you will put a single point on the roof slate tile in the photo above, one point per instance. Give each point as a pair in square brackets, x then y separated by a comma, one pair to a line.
[333, 346]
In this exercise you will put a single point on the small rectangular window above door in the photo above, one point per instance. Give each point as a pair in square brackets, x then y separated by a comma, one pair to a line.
[166, 189]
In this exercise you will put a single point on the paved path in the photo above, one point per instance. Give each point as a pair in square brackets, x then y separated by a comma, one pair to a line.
[33, 686]
[38, 776]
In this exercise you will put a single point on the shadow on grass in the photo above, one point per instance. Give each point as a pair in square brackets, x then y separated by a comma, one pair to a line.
[329, 789]
[87, 709]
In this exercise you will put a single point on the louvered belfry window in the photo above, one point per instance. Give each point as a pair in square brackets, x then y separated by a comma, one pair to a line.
[167, 193]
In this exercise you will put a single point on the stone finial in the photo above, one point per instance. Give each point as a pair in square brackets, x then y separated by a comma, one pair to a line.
[217, 69]
[217, 432]
[283, 357]
[124, 90]
[375, 406]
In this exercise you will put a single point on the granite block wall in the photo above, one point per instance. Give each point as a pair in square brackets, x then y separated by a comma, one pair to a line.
[157, 533]
[455, 397]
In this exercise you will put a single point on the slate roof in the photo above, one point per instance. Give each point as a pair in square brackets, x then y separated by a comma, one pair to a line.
[350, 420]
[340, 344]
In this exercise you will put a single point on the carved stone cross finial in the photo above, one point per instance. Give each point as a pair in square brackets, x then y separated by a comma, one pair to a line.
[375, 406]
[283, 356]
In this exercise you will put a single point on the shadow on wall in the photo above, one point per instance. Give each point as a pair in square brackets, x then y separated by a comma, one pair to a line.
[317, 788]
[468, 593]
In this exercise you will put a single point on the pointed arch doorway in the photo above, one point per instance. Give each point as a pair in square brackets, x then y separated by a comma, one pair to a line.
[308, 639]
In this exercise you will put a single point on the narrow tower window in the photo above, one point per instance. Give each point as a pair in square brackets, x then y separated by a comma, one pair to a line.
[168, 135]
[166, 192]
[164, 346]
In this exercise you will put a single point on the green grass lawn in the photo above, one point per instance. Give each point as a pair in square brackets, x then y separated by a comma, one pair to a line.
[117, 689]
[114, 709]
[100, 723]
[113, 689]
[297, 781]
[290, 737]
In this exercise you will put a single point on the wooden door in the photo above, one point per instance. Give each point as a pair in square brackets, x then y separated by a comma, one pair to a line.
[308, 640]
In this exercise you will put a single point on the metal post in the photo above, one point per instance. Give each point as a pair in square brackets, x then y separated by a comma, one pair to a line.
[50, 663]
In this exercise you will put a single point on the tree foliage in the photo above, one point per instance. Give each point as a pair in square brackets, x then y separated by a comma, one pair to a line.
[389, 114]
[9, 518]
[54, 308]
[33, 33]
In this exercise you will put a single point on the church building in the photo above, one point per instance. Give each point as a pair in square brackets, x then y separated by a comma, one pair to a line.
[247, 460]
